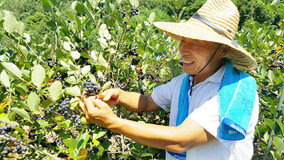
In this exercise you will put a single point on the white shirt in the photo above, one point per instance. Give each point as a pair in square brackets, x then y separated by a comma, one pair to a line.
[204, 110]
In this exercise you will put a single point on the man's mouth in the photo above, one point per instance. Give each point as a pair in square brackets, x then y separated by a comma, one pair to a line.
[184, 61]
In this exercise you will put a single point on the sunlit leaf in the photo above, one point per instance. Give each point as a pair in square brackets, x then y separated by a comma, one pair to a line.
[12, 69]
[73, 91]
[152, 17]
[33, 101]
[5, 78]
[134, 3]
[55, 90]
[21, 112]
[38, 75]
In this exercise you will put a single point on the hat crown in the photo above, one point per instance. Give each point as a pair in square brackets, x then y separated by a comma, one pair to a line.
[223, 13]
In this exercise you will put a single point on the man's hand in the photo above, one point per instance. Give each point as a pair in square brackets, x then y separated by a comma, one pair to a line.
[97, 111]
[111, 96]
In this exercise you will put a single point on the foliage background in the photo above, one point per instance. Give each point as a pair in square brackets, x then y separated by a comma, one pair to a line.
[49, 48]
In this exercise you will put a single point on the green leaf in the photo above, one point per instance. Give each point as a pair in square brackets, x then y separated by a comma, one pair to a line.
[53, 2]
[100, 134]
[106, 86]
[134, 3]
[82, 140]
[21, 112]
[279, 143]
[73, 91]
[46, 103]
[46, 5]
[118, 1]
[38, 75]
[178, 3]
[75, 54]
[152, 17]
[80, 8]
[271, 75]
[55, 90]
[4, 118]
[64, 124]
[5, 79]
[10, 23]
[12, 69]
[102, 61]
[33, 101]
[71, 80]
[42, 123]
[280, 124]
[24, 50]
[66, 46]
[74, 103]
[270, 123]
[69, 15]
[71, 143]
[86, 69]
[20, 28]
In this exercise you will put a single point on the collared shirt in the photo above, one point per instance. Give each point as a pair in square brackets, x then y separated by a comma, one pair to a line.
[204, 110]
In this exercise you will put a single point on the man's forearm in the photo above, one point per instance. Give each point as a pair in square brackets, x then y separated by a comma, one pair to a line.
[132, 101]
[157, 136]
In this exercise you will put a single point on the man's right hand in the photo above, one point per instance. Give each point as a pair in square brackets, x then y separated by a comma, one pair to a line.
[111, 96]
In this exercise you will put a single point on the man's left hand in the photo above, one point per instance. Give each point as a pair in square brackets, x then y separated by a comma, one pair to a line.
[97, 111]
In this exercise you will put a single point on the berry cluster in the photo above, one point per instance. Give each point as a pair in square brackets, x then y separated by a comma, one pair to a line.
[32, 135]
[142, 76]
[77, 119]
[119, 85]
[50, 62]
[62, 155]
[132, 52]
[50, 109]
[60, 76]
[82, 61]
[134, 11]
[135, 61]
[18, 150]
[6, 129]
[63, 108]
[91, 87]
[123, 13]
[94, 150]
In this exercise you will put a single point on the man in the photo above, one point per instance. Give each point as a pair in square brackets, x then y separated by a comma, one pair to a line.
[214, 107]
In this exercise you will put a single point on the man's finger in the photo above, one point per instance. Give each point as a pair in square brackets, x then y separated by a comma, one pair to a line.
[107, 97]
[100, 104]
[82, 107]
[90, 108]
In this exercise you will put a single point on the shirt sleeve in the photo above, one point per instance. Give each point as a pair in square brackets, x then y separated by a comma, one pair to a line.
[207, 116]
[162, 95]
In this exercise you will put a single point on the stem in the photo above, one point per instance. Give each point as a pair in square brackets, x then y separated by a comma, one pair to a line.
[272, 132]
[16, 47]
[9, 105]
[10, 138]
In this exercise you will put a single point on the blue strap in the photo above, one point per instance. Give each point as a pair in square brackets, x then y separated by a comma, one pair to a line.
[183, 104]
[236, 101]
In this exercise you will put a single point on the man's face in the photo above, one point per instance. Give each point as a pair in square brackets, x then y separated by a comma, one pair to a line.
[196, 54]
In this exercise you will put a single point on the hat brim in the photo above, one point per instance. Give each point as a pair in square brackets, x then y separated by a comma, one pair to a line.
[200, 31]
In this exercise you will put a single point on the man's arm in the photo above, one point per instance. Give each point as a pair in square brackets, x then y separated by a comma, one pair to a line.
[177, 139]
[132, 101]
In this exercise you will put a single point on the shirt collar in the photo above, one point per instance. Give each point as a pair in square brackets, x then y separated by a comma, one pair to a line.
[216, 77]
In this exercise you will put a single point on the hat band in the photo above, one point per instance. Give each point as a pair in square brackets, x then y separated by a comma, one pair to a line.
[203, 19]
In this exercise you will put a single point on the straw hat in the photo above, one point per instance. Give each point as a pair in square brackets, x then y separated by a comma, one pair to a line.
[216, 21]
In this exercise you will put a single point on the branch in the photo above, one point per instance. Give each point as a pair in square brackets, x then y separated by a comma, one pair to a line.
[10, 138]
